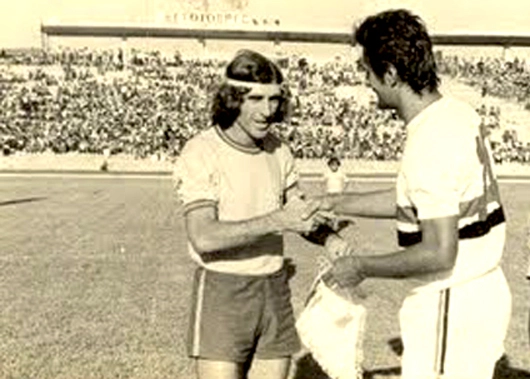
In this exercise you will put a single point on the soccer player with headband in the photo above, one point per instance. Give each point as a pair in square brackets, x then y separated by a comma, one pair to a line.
[238, 186]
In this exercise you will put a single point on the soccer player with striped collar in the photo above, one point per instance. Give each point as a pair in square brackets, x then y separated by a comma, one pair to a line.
[237, 183]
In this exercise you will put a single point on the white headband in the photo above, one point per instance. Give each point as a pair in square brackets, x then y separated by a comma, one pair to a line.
[251, 85]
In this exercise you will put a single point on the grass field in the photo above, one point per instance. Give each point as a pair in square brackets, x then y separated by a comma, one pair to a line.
[94, 281]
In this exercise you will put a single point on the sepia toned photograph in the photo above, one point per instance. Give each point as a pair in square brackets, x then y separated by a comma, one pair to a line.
[251, 189]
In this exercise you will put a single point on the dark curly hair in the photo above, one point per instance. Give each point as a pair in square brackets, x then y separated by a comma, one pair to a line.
[400, 39]
[247, 66]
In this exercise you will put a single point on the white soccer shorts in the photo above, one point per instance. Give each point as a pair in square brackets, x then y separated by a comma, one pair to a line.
[456, 333]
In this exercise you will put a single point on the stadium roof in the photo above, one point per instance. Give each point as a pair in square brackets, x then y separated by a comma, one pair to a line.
[136, 31]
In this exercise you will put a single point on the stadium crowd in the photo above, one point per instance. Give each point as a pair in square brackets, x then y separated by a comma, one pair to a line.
[495, 76]
[149, 105]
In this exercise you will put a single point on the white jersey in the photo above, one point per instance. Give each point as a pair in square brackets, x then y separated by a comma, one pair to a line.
[444, 173]
[242, 183]
[334, 181]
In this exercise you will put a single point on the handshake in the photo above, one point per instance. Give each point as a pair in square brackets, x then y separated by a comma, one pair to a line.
[307, 215]
[302, 215]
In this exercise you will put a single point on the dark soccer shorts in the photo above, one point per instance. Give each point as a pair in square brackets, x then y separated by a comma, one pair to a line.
[235, 317]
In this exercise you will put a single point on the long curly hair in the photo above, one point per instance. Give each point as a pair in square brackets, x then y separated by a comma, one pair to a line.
[247, 66]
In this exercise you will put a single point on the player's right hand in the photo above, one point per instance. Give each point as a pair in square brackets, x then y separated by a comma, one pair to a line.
[301, 216]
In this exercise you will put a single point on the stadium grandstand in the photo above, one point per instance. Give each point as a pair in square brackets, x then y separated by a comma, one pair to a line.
[147, 104]
[138, 31]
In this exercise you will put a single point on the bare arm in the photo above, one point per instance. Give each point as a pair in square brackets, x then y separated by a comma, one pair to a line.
[208, 234]
[373, 204]
[435, 253]
[432, 258]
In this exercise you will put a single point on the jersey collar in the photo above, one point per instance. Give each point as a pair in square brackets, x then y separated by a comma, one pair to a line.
[236, 145]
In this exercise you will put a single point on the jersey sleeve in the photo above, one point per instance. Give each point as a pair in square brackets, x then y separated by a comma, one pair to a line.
[195, 180]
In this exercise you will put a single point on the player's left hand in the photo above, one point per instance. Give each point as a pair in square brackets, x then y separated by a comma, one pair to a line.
[336, 247]
[345, 272]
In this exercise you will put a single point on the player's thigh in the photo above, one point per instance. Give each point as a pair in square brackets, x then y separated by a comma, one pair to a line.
[209, 369]
[480, 323]
[278, 337]
[456, 333]
[420, 318]
[225, 313]
[270, 368]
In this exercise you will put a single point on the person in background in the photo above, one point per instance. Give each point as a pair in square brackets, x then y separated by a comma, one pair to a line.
[334, 176]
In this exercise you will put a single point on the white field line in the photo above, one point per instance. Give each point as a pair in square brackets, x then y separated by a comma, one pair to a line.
[372, 177]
